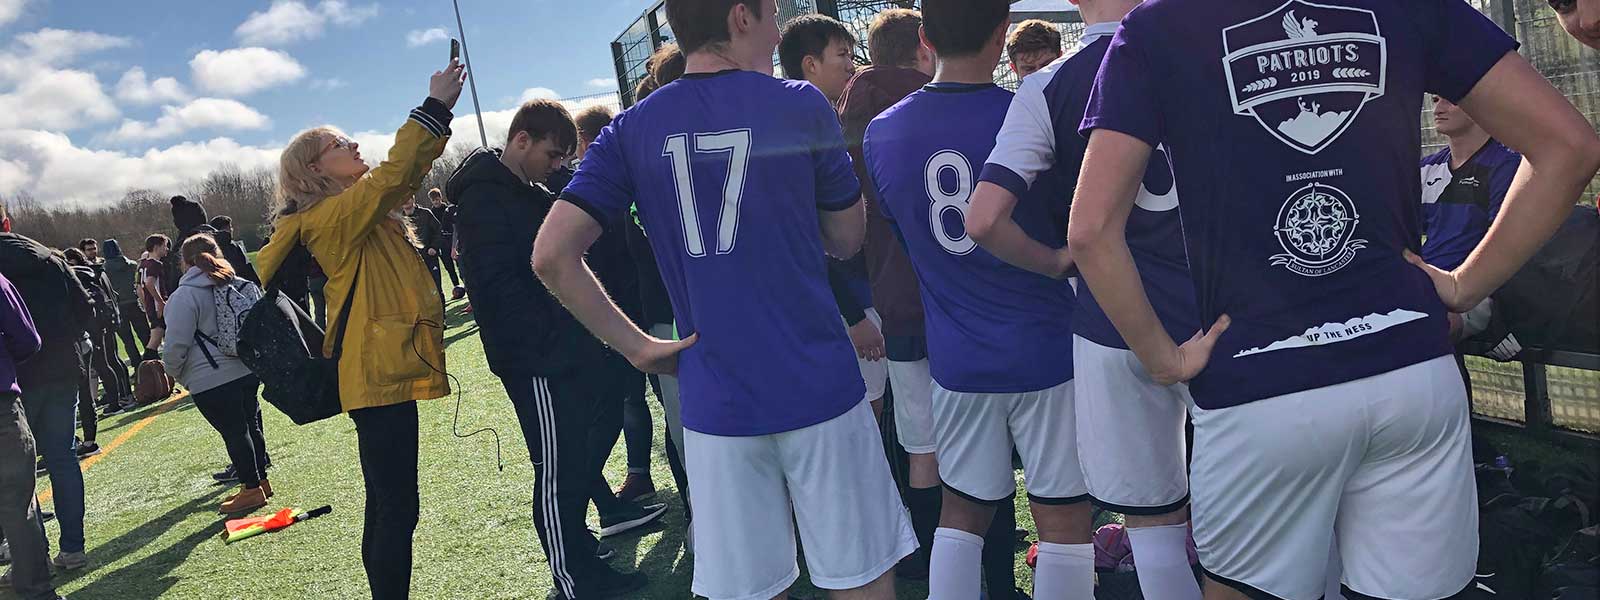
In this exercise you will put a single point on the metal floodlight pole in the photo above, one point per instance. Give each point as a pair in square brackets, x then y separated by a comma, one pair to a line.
[472, 75]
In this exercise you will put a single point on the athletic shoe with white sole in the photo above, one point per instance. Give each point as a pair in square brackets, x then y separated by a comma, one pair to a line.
[629, 518]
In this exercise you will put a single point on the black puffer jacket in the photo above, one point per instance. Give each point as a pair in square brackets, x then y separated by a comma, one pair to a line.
[59, 304]
[236, 257]
[525, 331]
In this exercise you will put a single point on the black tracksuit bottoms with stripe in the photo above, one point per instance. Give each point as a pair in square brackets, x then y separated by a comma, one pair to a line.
[556, 414]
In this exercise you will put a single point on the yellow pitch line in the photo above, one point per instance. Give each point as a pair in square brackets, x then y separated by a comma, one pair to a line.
[122, 438]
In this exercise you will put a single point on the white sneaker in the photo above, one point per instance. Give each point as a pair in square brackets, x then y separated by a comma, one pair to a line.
[70, 561]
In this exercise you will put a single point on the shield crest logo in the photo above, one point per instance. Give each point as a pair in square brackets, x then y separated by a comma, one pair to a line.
[1304, 70]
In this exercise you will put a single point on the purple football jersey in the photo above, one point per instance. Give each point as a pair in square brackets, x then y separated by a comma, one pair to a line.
[729, 171]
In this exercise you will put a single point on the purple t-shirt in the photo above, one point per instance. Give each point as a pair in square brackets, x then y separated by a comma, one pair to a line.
[1040, 143]
[992, 327]
[729, 170]
[1292, 128]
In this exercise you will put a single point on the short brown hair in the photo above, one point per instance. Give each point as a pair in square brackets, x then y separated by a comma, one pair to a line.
[156, 240]
[591, 120]
[701, 23]
[893, 38]
[962, 27]
[1033, 35]
[664, 67]
[435, 193]
[86, 242]
[545, 119]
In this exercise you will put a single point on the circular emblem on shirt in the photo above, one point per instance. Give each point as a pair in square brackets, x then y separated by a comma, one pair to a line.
[1316, 228]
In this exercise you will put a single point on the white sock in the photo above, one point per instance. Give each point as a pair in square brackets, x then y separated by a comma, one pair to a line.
[1162, 557]
[1064, 572]
[953, 570]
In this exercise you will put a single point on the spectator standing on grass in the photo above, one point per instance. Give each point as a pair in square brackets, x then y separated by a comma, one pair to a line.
[95, 364]
[663, 67]
[152, 276]
[348, 217]
[133, 328]
[551, 368]
[90, 250]
[224, 388]
[425, 227]
[445, 212]
[29, 574]
[622, 384]
[104, 360]
[60, 309]
[636, 425]
[232, 250]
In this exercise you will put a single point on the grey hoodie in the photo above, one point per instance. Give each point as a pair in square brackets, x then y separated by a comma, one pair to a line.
[191, 307]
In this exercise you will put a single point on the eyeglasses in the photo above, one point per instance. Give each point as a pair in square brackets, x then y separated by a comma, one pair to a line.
[1563, 6]
[339, 143]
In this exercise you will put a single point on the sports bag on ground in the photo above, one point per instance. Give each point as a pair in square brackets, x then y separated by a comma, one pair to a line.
[1552, 301]
[282, 345]
[151, 382]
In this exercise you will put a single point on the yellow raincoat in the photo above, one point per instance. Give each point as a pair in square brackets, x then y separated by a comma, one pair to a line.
[393, 344]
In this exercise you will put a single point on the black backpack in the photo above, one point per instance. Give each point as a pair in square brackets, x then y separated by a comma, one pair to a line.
[101, 304]
[1551, 302]
[282, 345]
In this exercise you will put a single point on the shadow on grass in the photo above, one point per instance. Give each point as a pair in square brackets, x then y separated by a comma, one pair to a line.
[150, 576]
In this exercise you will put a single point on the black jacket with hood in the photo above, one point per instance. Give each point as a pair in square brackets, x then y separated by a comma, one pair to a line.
[60, 306]
[525, 330]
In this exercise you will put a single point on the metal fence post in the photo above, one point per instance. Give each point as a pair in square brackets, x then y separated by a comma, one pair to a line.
[1536, 398]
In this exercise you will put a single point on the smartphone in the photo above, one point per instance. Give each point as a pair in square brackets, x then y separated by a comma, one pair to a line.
[455, 49]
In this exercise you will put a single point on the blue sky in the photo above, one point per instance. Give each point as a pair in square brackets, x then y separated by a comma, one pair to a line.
[98, 97]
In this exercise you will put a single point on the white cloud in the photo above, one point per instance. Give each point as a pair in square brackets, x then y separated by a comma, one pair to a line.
[327, 85]
[289, 21]
[538, 93]
[56, 99]
[10, 10]
[134, 87]
[340, 12]
[420, 37]
[59, 47]
[602, 82]
[242, 71]
[59, 172]
[203, 113]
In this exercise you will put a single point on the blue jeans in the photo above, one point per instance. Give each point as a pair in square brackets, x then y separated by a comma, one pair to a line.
[52, 414]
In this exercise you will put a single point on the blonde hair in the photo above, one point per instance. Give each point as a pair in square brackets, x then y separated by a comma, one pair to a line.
[201, 250]
[300, 188]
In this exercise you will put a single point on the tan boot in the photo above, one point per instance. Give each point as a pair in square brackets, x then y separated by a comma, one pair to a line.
[267, 486]
[247, 500]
